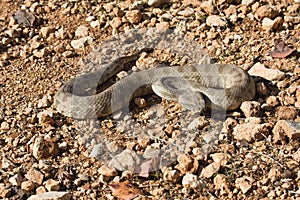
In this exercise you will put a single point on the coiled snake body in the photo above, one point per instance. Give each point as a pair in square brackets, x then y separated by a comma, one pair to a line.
[225, 86]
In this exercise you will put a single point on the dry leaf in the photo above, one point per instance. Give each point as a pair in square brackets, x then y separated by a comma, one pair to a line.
[124, 190]
[281, 50]
[24, 17]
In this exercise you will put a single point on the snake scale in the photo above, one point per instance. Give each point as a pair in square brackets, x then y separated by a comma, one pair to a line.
[193, 85]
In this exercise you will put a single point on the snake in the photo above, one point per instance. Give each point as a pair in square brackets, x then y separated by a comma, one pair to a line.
[198, 84]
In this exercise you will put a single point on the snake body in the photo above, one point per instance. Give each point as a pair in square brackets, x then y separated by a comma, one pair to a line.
[225, 86]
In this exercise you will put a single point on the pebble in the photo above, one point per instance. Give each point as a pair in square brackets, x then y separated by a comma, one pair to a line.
[46, 118]
[268, 24]
[82, 31]
[81, 42]
[244, 184]
[221, 158]
[156, 3]
[41, 53]
[221, 183]
[210, 170]
[52, 185]
[14, 32]
[215, 20]
[208, 6]
[140, 102]
[187, 164]
[251, 131]
[134, 16]
[287, 128]
[95, 24]
[44, 102]
[16, 180]
[116, 22]
[4, 126]
[286, 112]
[35, 176]
[40, 190]
[45, 31]
[68, 54]
[43, 148]
[260, 70]
[126, 160]
[250, 108]
[51, 196]
[171, 175]
[272, 101]
[247, 2]
[191, 181]
[28, 186]
[266, 11]
[107, 171]
[186, 12]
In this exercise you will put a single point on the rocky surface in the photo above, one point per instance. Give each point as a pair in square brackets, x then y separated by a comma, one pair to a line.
[252, 153]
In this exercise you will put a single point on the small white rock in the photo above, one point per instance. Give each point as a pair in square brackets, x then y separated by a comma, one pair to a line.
[81, 42]
[81, 31]
[190, 181]
[260, 70]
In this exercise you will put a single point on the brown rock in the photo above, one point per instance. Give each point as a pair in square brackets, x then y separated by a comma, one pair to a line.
[272, 101]
[140, 102]
[134, 16]
[16, 180]
[210, 170]
[35, 176]
[244, 183]
[107, 171]
[45, 31]
[156, 3]
[228, 125]
[208, 7]
[52, 185]
[170, 175]
[288, 100]
[221, 184]
[40, 190]
[221, 158]
[116, 22]
[4, 126]
[250, 131]
[266, 11]
[286, 112]
[261, 88]
[251, 108]
[284, 128]
[268, 24]
[28, 185]
[187, 164]
[43, 148]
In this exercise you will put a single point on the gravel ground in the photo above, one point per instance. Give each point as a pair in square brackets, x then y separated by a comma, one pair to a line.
[252, 154]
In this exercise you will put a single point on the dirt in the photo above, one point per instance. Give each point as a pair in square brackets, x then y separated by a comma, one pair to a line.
[262, 162]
